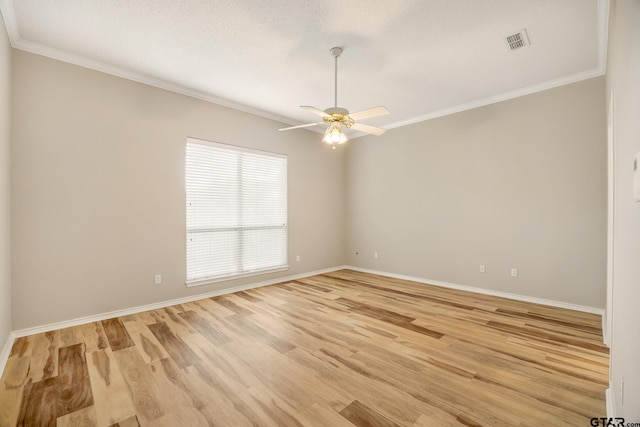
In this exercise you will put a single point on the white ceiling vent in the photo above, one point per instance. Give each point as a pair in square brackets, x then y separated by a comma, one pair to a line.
[517, 40]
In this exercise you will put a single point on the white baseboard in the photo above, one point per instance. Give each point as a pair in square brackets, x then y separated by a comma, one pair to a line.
[608, 394]
[605, 330]
[4, 355]
[6, 350]
[162, 304]
[517, 297]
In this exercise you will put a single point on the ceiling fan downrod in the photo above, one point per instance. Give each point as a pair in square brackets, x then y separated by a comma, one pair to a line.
[336, 52]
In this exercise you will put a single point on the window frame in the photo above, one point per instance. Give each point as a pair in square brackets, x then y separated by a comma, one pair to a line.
[239, 228]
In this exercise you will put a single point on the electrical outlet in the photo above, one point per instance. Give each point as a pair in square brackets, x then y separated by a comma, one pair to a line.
[297, 258]
[158, 279]
[375, 255]
[514, 272]
[482, 268]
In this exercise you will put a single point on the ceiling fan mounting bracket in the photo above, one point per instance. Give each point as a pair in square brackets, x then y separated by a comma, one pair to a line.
[336, 51]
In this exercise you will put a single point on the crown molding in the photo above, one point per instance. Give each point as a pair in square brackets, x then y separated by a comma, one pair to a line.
[8, 13]
[550, 84]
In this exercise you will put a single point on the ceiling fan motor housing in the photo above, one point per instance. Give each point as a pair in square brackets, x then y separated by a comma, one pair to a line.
[337, 110]
[337, 114]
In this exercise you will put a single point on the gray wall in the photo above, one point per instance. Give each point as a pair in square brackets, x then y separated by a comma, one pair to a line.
[5, 177]
[98, 190]
[623, 71]
[97, 193]
[521, 183]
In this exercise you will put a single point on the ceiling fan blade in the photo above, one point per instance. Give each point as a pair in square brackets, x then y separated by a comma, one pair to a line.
[370, 112]
[303, 126]
[314, 110]
[368, 129]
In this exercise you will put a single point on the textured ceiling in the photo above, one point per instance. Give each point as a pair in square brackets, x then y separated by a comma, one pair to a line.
[419, 58]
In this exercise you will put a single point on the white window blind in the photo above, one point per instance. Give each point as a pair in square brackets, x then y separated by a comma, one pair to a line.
[236, 211]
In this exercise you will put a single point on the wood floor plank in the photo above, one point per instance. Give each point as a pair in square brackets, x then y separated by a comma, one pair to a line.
[175, 394]
[251, 329]
[145, 317]
[117, 334]
[145, 340]
[363, 416]
[204, 328]
[44, 356]
[341, 348]
[112, 396]
[11, 388]
[38, 405]
[228, 303]
[73, 382]
[93, 336]
[141, 384]
[371, 391]
[83, 418]
[278, 409]
[226, 405]
[210, 305]
[181, 353]
[70, 336]
[129, 422]
[436, 420]
[227, 392]
[286, 379]
[21, 346]
[181, 417]
[170, 317]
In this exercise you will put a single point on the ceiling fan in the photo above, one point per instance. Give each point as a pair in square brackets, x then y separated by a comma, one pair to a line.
[336, 117]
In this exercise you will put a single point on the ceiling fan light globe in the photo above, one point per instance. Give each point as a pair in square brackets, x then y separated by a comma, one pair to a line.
[334, 135]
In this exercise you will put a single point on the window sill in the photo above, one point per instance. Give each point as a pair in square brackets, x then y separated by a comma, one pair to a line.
[235, 276]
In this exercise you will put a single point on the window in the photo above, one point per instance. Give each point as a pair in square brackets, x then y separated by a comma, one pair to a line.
[236, 211]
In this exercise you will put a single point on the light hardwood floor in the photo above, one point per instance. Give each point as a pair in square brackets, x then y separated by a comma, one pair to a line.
[338, 349]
